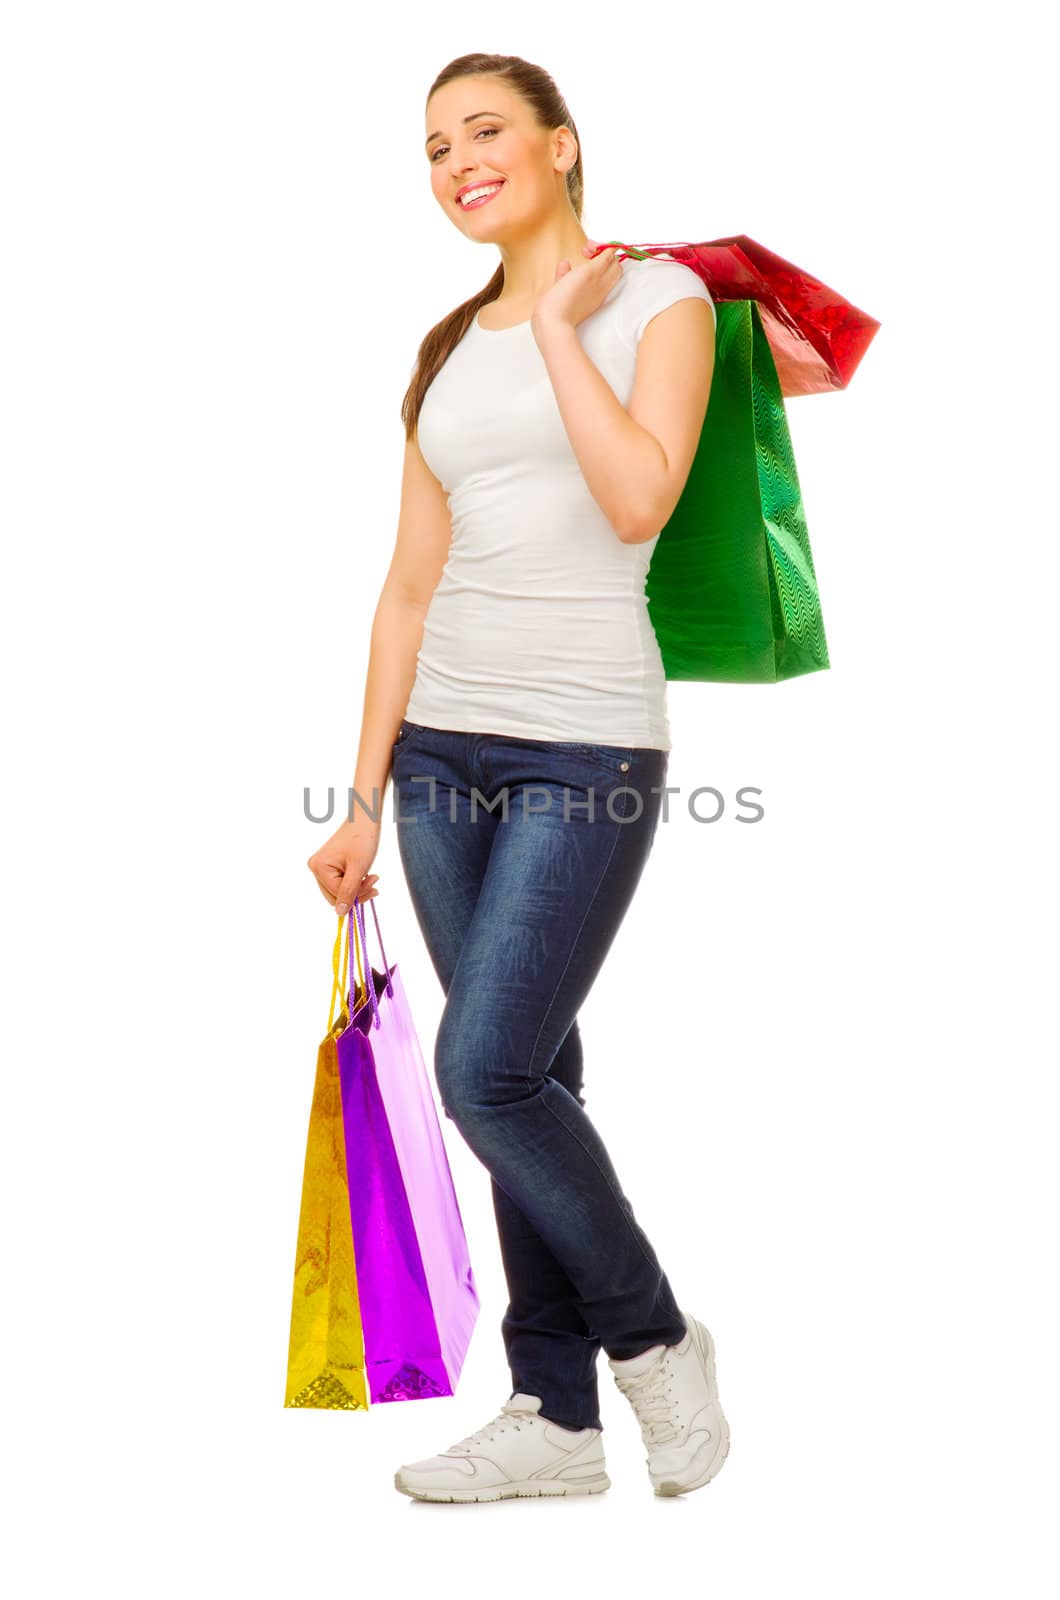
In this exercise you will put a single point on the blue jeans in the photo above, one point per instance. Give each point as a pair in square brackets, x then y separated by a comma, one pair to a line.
[518, 903]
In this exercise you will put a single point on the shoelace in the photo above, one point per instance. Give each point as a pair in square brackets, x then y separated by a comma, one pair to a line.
[504, 1419]
[647, 1395]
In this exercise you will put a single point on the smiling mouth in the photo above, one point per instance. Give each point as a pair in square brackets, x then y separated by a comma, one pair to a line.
[480, 195]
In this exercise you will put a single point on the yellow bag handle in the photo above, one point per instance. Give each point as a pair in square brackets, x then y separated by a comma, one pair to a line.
[338, 985]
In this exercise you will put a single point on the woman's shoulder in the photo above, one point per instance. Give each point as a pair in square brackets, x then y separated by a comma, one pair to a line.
[651, 285]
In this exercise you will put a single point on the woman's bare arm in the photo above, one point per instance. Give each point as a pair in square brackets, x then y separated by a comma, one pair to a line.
[636, 462]
[420, 552]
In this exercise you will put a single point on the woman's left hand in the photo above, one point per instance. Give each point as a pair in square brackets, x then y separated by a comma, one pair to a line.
[578, 290]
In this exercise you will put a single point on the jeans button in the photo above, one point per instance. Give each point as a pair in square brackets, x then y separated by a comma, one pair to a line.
[624, 767]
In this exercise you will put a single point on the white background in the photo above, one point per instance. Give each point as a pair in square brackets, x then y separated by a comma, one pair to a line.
[820, 1051]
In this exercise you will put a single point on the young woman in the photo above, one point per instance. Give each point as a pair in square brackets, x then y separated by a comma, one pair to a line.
[515, 692]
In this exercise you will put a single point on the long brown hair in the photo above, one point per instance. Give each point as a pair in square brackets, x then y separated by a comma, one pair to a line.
[539, 91]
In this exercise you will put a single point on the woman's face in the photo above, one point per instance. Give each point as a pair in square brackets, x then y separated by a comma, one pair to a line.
[499, 147]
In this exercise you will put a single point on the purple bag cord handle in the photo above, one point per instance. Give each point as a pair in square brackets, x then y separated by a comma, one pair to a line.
[368, 980]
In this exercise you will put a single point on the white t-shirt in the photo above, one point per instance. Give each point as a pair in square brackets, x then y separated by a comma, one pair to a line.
[539, 624]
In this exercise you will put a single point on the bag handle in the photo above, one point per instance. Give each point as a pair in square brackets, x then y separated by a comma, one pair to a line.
[358, 909]
[356, 932]
[338, 984]
[630, 250]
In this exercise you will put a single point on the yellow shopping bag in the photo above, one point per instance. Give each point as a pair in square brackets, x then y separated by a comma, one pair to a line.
[325, 1360]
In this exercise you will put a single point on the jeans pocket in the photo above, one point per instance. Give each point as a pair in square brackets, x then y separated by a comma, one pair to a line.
[405, 732]
[614, 757]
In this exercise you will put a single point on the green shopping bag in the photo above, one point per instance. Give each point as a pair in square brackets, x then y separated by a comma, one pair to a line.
[731, 589]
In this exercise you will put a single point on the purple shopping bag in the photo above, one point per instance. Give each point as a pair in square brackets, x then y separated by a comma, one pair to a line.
[418, 1298]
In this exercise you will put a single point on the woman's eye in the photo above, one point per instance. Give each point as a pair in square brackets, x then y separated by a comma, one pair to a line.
[439, 149]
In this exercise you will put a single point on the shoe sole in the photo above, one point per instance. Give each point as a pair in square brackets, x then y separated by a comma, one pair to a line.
[709, 1453]
[506, 1491]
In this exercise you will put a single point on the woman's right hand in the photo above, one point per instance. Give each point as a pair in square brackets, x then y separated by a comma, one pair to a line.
[341, 865]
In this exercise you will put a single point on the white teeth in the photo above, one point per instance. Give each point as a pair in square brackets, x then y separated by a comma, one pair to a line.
[473, 194]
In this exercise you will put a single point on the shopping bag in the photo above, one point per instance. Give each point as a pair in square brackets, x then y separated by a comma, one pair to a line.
[418, 1297]
[732, 589]
[816, 337]
[325, 1358]
[385, 1299]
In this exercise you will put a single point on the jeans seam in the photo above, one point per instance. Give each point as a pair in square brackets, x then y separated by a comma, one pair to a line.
[529, 1071]
[574, 945]
[616, 1192]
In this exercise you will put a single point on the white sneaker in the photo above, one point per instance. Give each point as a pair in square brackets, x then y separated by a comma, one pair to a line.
[518, 1453]
[674, 1392]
